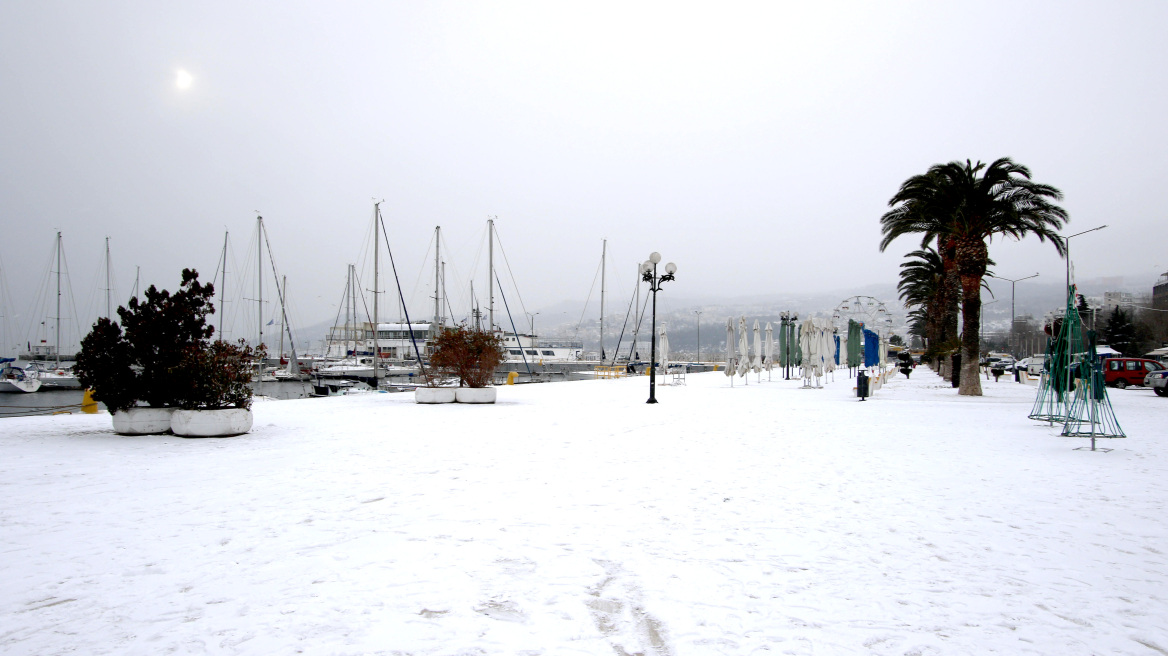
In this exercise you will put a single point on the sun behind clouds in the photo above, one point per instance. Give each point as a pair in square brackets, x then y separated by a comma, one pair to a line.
[183, 80]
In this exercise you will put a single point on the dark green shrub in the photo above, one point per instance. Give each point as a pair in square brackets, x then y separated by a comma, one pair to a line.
[161, 329]
[104, 365]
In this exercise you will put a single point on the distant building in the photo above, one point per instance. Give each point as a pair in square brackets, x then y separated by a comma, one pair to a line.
[1112, 300]
[1160, 293]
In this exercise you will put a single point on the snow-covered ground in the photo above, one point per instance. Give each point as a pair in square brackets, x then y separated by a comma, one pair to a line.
[573, 518]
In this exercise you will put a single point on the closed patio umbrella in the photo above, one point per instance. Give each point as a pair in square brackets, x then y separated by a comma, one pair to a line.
[730, 349]
[756, 361]
[770, 348]
[743, 348]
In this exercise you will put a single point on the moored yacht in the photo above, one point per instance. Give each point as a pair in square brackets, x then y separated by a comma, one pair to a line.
[15, 379]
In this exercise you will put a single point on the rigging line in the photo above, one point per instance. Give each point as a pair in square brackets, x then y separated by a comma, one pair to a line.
[589, 299]
[91, 303]
[421, 268]
[40, 297]
[329, 340]
[522, 351]
[397, 281]
[625, 324]
[474, 266]
[507, 262]
[451, 262]
[280, 291]
[72, 299]
[641, 318]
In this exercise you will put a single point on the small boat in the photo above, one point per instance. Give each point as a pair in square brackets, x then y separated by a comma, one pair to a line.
[338, 387]
[15, 379]
[55, 378]
[360, 367]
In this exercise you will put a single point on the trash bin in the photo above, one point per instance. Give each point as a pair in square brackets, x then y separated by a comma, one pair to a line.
[861, 385]
[955, 361]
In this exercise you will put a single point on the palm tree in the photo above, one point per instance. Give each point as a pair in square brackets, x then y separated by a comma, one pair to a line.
[921, 279]
[968, 207]
[920, 207]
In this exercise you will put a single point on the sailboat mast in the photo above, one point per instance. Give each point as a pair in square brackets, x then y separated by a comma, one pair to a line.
[353, 304]
[437, 275]
[293, 363]
[223, 285]
[636, 315]
[283, 318]
[376, 249]
[603, 256]
[108, 305]
[58, 340]
[260, 282]
[491, 274]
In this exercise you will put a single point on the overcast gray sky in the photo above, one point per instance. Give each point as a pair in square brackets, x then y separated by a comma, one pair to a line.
[756, 145]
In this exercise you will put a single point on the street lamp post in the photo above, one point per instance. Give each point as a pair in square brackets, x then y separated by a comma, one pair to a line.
[981, 325]
[1012, 281]
[649, 275]
[1067, 241]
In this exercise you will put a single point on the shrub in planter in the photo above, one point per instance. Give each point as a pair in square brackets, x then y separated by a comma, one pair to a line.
[216, 376]
[470, 355]
[161, 329]
[143, 359]
[214, 395]
[105, 366]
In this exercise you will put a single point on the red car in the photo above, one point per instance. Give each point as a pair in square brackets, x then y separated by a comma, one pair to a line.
[1121, 372]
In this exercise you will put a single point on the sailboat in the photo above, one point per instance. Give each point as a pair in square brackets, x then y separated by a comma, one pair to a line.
[47, 369]
[15, 379]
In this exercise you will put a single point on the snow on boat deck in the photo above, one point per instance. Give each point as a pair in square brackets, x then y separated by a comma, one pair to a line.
[573, 518]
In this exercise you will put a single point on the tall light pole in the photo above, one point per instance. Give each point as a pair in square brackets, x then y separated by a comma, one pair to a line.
[1012, 282]
[699, 313]
[981, 325]
[1067, 241]
[649, 275]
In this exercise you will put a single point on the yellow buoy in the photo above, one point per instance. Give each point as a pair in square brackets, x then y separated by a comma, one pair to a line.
[88, 405]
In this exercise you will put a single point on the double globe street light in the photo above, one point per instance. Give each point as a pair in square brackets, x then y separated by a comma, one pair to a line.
[649, 275]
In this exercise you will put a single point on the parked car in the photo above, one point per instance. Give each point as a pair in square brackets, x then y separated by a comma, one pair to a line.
[1121, 372]
[1158, 381]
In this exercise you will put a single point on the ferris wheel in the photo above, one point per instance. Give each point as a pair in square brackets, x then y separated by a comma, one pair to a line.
[866, 310]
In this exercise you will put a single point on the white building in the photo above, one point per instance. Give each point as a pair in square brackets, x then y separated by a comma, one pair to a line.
[1112, 300]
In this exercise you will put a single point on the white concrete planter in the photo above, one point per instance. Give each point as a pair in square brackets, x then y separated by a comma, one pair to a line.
[142, 421]
[211, 423]
[476, 394]
[434, 395]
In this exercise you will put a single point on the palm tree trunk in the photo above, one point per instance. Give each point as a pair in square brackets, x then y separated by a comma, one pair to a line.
[972, 256]
[970, 336]
[951, 287]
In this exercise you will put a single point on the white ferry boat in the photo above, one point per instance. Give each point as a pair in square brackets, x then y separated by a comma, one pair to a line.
[539, 351]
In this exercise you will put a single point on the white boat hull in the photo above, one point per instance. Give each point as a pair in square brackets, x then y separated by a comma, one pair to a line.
[15, 385]
[50, 380]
